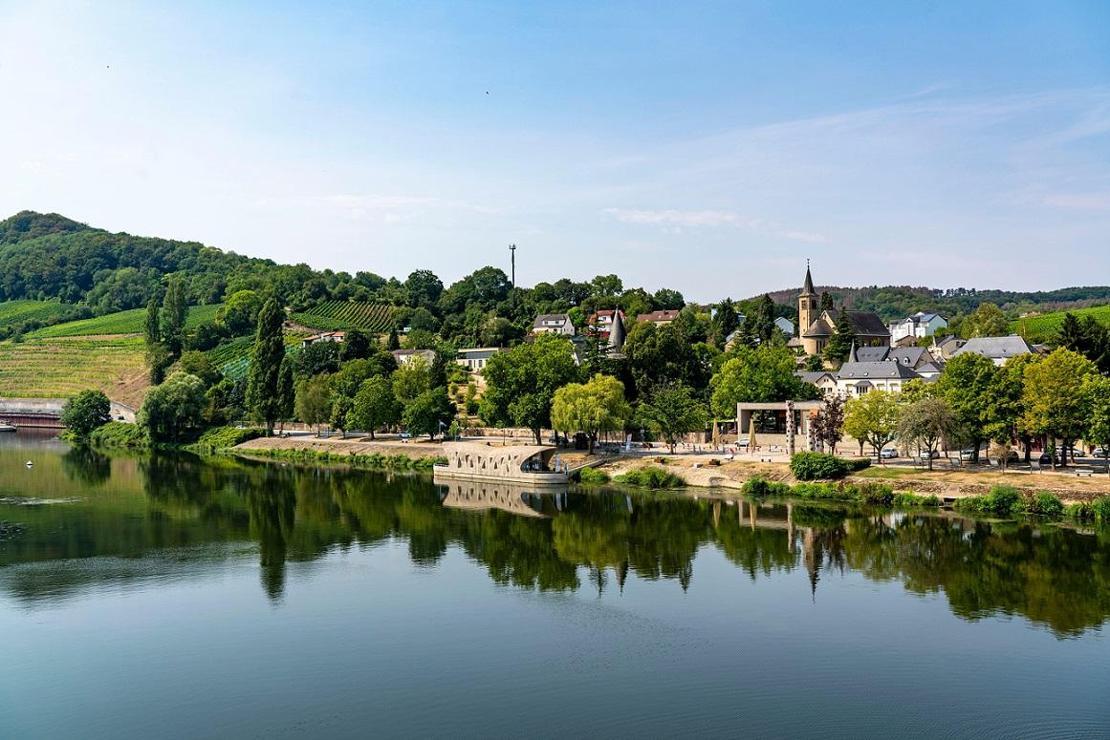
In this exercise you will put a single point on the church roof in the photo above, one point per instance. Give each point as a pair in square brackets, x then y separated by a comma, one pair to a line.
[807, 286]
[864, 324]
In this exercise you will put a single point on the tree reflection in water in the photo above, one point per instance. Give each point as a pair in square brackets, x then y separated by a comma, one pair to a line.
[1052, 576]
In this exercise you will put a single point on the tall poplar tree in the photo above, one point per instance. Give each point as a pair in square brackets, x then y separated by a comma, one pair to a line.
[264, 398]
[174, 310]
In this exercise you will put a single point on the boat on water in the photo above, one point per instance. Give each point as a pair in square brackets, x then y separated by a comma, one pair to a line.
[532, 465]
[6, 426]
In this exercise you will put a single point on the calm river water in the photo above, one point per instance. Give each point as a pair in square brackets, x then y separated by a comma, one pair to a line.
[172, 597]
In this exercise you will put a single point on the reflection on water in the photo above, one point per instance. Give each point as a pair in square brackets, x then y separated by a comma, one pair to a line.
[203, 512]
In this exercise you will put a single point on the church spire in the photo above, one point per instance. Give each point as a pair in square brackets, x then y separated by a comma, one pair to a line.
[807, 286]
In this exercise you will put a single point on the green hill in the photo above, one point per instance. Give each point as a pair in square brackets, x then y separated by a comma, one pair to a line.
[121, 322]
[58, 368]
[1043, 328]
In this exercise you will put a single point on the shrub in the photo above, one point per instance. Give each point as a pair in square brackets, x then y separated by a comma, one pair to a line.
[592, 476]
[1101, 509]
[875, 494]
[1044, 504]
[823, 491]
[818, 466]
[913, 499]
[651, 477]
[222, 438]
[119, 434]
[762, 488]
[858, 464]
[1001, 501]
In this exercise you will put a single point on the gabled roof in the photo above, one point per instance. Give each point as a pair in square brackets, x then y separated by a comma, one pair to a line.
[995, 347]
[864, 324]
[666, 314]
[929, 367]
[550, 319]
[814, 376]
[875, 371]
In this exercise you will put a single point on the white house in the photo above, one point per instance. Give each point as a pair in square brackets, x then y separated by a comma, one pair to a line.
[328, 336]
[856, 378]
[474, 359]
[919, 325]
[553, 323]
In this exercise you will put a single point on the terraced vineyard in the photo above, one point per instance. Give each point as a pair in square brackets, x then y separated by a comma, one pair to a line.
[16, 312]
[1044, 327]
[57, 368]
[342, 315]
[233, 358]
[122, 322]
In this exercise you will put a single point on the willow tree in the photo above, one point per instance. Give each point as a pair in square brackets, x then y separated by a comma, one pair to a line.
[264, 397]
[593, 407]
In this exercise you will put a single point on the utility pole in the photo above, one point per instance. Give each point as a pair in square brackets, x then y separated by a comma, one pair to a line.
[512, 260]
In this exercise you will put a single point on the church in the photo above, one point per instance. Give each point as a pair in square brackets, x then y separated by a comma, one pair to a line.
[815, 326]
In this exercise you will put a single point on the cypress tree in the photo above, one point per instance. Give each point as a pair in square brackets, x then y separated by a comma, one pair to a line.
[174, 310]
[263, 382]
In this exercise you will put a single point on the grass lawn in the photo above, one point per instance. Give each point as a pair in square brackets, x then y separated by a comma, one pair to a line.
[888, 472]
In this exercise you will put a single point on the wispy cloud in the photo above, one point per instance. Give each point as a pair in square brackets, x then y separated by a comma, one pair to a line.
[672, 218]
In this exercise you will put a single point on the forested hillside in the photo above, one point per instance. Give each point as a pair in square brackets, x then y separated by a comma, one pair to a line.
[898, 301]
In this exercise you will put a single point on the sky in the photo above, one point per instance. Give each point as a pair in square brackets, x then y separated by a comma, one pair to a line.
[707, 147]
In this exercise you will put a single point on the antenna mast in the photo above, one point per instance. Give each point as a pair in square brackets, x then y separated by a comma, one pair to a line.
[512, 260]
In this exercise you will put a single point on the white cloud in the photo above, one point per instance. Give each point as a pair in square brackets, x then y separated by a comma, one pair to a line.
[1080, 201]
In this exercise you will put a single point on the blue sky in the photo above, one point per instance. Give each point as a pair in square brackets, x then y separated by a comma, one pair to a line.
[709, 147]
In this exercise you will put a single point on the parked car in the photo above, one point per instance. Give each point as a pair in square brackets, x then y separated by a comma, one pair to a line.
[1099, 452]
[967, 454]
[924, 454]
[888, 453]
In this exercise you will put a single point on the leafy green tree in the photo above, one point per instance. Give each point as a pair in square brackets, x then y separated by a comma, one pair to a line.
[317, 358]
[313, 399]
[672, 411]
[986, 321]
[521, 383]
[346, 383]
[1053, 397]
[393, 343]
[1004, 407]
[239, 313]
[411, 379]
[840, 343]
[966, 385]
[1097, 390]
[357, 345]
[759, 374]
[826, 302]
[423, 288]
[429, 413]
[375, 405]
[152, 328]
[662, 355]
[263, 380]
[592, 407]
[926, 423]
[175, 309]
[725, 321]
[85, 413]
[1088, 337]
[174, 411]
[287, 391]
[872, 418]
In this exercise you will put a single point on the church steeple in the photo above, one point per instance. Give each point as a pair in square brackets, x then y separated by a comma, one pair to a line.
[807, 311]
[807, 286]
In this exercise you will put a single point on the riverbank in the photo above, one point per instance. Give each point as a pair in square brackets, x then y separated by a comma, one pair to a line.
[707, 470]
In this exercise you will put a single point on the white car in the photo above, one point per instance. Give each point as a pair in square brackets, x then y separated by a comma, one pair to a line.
[888, 453]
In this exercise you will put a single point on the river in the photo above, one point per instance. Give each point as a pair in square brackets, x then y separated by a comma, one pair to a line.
[174, 597]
